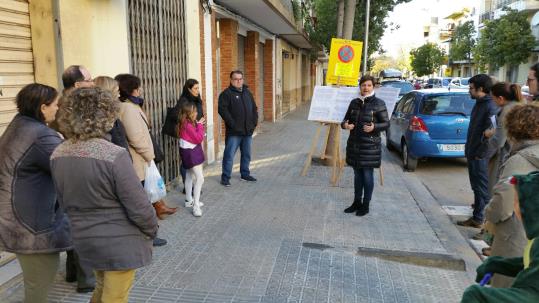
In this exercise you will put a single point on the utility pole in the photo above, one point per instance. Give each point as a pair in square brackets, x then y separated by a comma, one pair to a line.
[366, 39]
[349, 15]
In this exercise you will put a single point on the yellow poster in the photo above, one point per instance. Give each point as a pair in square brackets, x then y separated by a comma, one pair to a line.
[344, 62]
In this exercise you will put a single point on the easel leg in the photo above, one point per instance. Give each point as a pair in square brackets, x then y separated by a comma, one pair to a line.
[336, 159]
[309, 159]
[381, 171]
[325, 145]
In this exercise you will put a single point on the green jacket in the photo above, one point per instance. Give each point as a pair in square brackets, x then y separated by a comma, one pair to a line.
[525, 288]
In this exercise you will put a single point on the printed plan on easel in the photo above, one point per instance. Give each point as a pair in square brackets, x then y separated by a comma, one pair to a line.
[329, 104]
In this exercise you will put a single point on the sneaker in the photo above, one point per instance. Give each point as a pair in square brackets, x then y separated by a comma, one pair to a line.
[248, 178]
[190, 204]
[197, 212]
[159, 242]
[470, 223]
[225, 183]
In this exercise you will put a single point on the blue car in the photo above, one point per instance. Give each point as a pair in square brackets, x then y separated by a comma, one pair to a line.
[430, 123]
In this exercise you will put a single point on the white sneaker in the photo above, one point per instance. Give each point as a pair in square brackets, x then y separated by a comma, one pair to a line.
[197, 212]
[190, 204]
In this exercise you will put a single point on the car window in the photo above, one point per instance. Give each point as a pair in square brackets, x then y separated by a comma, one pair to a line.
[453, 104]
[405, 87]
[446, 81]
[463, 81]
[402, 101]
[408, 104]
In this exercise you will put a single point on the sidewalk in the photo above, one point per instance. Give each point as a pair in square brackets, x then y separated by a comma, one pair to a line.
[286, 238]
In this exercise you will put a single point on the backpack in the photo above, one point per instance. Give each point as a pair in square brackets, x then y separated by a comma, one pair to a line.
[170, 127]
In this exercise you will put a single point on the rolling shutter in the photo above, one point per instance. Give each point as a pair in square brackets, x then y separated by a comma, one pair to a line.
[16, 59]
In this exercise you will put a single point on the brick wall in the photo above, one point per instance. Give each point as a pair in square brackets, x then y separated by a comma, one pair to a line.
[252, 64]
[228, 45]
[268, 81]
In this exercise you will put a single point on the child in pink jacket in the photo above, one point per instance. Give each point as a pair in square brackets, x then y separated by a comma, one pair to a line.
[191, 137]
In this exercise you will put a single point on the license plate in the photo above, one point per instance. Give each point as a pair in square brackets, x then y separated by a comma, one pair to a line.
[452, 147]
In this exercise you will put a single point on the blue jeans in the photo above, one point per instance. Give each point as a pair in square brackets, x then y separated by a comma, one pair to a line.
[231, 146]
[478, 173]
[363, 184]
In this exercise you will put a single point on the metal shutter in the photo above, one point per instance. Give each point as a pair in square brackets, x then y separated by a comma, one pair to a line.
[158, 45]
[16, 59]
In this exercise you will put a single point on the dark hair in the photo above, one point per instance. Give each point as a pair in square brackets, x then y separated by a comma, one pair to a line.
[366, 78]
[187, 86]
[239, 72]
[510, 92]
[127, 83]
[521, 122]
[482, 81]
[32, 96]
[72, 75]
[535, 69]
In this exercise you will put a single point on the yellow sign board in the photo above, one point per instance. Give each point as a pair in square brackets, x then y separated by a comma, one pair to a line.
[344, 62]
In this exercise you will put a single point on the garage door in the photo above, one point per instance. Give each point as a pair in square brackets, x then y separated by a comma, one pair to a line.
[16, 60]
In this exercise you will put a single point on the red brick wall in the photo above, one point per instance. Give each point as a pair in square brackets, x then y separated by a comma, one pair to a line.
[252, 65]
[268, 81]
[228, 45]
[202, 81]
[216, 92]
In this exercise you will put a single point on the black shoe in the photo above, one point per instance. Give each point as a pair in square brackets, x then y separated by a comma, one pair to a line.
[225, 183]
[354, 207]
[84, 290]
[70, 278]
[248, 178]
[159, 242]
[363, 209]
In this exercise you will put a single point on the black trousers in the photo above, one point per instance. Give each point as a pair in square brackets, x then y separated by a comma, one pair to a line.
[84, 275]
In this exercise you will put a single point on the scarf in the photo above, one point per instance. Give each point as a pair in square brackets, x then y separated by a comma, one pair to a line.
[137, 100]
[362, 98]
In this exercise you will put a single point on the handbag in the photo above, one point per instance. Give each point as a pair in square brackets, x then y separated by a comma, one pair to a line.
[157, 151]
[170, 127]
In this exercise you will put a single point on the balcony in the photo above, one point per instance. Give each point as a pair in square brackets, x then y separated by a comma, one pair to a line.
[486, 16]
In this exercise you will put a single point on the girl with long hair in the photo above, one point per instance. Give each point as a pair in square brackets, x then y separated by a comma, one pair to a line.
[191, 133]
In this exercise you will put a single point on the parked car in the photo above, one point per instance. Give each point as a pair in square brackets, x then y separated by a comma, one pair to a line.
[459, 83]
[405, 86]
[430, 123]
[438, 82]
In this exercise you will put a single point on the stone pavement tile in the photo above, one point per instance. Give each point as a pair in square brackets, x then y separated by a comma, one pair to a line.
[285, 238]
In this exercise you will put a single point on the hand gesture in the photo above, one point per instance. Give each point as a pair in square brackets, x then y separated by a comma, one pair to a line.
[202, 120]
[348, 126]
[368, 127]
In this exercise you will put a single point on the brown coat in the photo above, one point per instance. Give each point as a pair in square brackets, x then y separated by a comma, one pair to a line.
[138, 136]
[509, 236]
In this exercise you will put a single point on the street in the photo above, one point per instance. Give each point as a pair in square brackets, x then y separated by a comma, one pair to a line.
[286, 238]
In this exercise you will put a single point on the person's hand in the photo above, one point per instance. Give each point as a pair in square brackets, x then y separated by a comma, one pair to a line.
[348, 126]
[202, 120]
[489, 132]
[368, 128]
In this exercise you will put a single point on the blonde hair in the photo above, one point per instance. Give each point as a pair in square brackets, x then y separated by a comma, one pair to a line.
[186, 110]
[109, 84]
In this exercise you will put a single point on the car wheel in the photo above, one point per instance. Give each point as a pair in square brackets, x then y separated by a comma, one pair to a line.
[408, 161]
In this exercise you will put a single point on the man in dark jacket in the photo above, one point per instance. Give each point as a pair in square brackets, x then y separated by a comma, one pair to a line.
[476, 149]
[238, 109]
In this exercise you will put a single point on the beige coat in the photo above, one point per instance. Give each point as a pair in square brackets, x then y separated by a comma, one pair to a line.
[138, 136]
[509, 236]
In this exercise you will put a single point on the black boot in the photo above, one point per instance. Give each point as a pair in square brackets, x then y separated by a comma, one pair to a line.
[354, 207]
[364, 209]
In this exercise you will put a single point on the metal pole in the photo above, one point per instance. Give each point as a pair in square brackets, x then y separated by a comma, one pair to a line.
[366, 40]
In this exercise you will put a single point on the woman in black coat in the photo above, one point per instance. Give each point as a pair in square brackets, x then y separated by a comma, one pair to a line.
[366, 118]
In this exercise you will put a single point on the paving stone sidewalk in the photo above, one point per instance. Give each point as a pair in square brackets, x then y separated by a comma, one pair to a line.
[286, 238]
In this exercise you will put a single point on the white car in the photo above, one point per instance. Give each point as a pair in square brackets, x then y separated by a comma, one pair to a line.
[459, 83]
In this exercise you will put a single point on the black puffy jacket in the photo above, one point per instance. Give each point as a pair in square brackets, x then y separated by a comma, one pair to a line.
[238, 110]
[365, 149]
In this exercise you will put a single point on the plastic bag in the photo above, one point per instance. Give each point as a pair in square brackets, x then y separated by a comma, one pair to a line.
[154, 184]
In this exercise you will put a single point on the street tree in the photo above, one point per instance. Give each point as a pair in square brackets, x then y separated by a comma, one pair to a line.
[506, 40]
[326, 22]
[426, 59]
[463, 42]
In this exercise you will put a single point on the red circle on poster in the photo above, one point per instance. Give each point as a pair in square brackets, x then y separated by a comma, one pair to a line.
[346, 53]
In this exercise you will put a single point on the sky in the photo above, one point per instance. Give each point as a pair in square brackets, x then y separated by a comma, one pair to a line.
[412, 16]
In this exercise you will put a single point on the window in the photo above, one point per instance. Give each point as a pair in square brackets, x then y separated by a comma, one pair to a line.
[408, 104]
[456, 104]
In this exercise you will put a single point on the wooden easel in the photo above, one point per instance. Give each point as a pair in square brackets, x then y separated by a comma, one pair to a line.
[337, 163]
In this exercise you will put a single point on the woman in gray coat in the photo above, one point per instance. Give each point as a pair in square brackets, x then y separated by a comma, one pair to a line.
[112, 221]
[31, 224]
[509, 236]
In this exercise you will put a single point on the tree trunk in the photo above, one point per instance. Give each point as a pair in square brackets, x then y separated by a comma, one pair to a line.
[340, 18]
[349, 15]
[348, 25]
